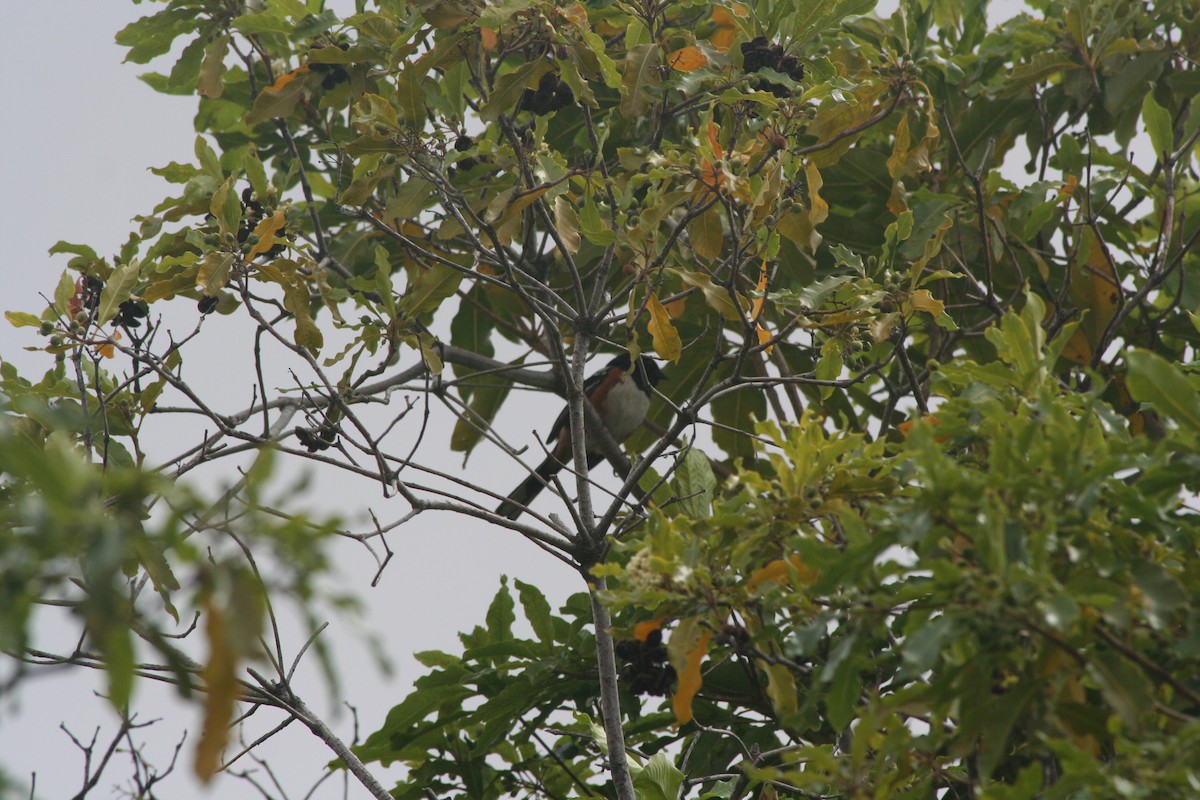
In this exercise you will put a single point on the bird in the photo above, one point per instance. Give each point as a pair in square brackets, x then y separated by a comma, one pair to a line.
[620, 393]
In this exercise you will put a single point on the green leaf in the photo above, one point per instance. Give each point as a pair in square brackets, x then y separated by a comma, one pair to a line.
[1154, 380]
[482, 407]
[639, 74]
[813, 16]
[842, 695]
[659, 779]
[1158, 125]
[268, 21]
[152, 36]
[296, 300]
[280, 98]
[226, 206]
[429, 290]
[537, 611]
[716, 296]
[212, 72]
[694, 483]
[608, 67]
[707, 234]
[410, 95]
[117, 290]
[510, 87]
[500, 616]
[22, 319]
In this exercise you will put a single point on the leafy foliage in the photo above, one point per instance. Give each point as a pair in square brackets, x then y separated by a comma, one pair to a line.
[913, 515]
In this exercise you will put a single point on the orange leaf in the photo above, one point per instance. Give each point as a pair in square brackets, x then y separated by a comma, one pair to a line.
[778, 571]
[908, 424]
[642, 630]
[687, 59]
[712, 132]
[722, 38]
[1068, 188]
[690, 681]
[488, 39]
[676, 307]
[286, 78]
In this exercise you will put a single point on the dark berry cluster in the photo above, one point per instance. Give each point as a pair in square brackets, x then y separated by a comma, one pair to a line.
[252, 214]
[207, 304]
[646, 670]
[551, 95]
[462, 144]
[131, 313]
[759, 54]
[315, 439]
[334, 73]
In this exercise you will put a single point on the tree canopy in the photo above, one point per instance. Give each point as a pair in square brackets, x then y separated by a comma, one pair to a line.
[912, 515]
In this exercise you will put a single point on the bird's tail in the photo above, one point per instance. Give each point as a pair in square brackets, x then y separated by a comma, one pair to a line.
[520, 498]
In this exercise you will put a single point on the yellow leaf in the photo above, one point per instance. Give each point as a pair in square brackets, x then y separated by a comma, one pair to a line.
[687, 59]
[818, 210]
[756, 308]
[666, 339]
[220, 680]
[566, 222]
[214, 273]
[690, 680]
[922, 300]
[716, 296]
[506, 221]
[265, 230]
[781, 689]
[706, 234]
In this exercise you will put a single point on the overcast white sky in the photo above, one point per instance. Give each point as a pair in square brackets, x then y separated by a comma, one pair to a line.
[79, 134]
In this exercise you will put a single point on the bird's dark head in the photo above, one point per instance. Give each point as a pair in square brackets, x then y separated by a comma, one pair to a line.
[648, 373]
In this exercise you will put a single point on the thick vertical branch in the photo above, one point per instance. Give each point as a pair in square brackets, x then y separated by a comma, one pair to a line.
[610, 700]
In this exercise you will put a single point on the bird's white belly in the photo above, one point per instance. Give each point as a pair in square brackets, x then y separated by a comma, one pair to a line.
[625, 408]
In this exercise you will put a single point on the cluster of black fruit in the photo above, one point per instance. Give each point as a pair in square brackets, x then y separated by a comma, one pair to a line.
[551, 95]
[646, 670]
[131, 313]
[315, 439]
[334, 73]
[758, 54]
[252, 214]
[208, 304]
[462, 144]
